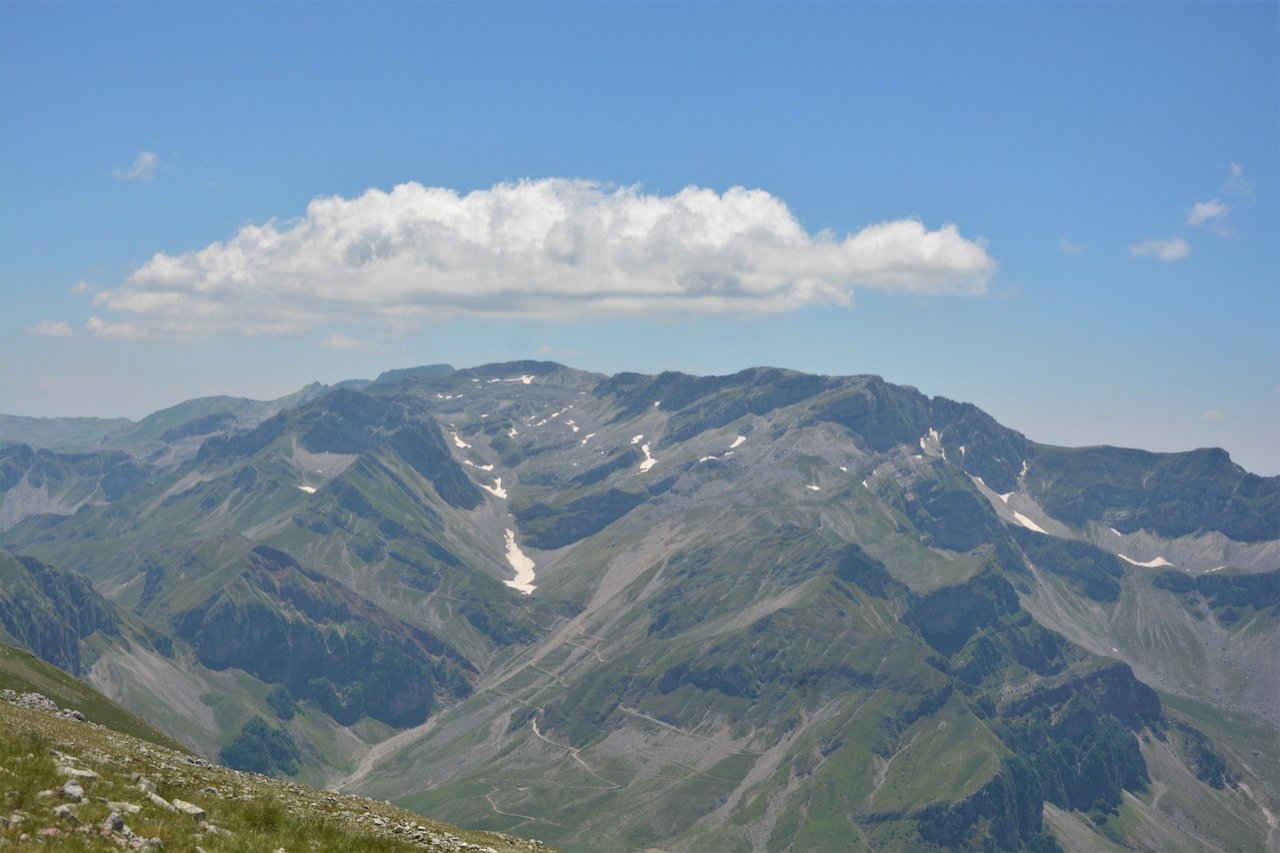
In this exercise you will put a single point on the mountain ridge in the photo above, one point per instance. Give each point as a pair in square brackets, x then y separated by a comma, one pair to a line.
[689, 538]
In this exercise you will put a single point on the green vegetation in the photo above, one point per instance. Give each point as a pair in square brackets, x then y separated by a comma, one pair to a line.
[1172, 494]
[22, 672]
[262, 749]
[826, 639]
[240, 811]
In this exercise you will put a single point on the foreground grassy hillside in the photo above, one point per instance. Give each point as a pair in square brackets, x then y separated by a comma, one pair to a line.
[79, 785]
[23, 672]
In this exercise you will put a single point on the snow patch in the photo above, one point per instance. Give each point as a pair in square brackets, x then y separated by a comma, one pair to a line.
[588, 437]
[519, 561]
[932, 444]
[737, 442]
[813, 488]
[1149, 564]
[512, 433]
[844, 469]
[1023, 472]
[311, 490]
[1116, 532]
[649, 461]
[636, 439]
[657, 403]
[707, 458]
[1005, 497]
[496, 489]
[1027, 523]
[477, 467]
[458, 442]
[865, 486]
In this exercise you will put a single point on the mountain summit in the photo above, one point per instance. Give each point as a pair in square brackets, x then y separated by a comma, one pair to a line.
[768, 610]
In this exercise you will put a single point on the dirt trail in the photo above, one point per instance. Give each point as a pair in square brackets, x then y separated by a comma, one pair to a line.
[573, 753]
[379, 751]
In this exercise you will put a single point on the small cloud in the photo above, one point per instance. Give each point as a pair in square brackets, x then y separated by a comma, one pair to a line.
[1214, 213]
[1072, 248]
[1206, 211]
[343, 342]
[116, 331]
[560, 352]
[1166, 249]
[46, 329]
[1236, 181]
[143, 169]
[1211, 415]
[83, 288]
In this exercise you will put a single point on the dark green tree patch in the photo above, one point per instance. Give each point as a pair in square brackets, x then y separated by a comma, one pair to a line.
[260, 748]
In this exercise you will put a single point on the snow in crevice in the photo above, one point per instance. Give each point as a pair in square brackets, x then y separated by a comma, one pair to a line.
[1158, 562]
[844, 469]
[811, 487]
[657, 403]
[311, 490]
[707, 458]
[587, 438]
[737, 442]
[636, 439]
[932, 444]
[649, 461]
[496, 489]
[512, 433]
[487, 467]
[1005, 497]
[523, 581]
[458, 442]
[1027, 523]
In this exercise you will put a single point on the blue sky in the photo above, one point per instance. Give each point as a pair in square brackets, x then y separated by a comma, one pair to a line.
[1067, 214]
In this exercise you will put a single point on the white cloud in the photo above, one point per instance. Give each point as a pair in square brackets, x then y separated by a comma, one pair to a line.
[344, 342]
[143, 169]
[46, 329]
[1214, 213]
[1206, 211]
[83, 288]
[1211, 415]
[1166, 249]
[1072, 248]
[537, 248]
[1236, 181]
[117, 331]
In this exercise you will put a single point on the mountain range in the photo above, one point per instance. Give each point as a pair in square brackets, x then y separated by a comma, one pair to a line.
[768, 610]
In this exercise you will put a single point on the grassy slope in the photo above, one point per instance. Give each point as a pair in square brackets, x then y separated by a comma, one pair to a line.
[256, 813]
[23, 672]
